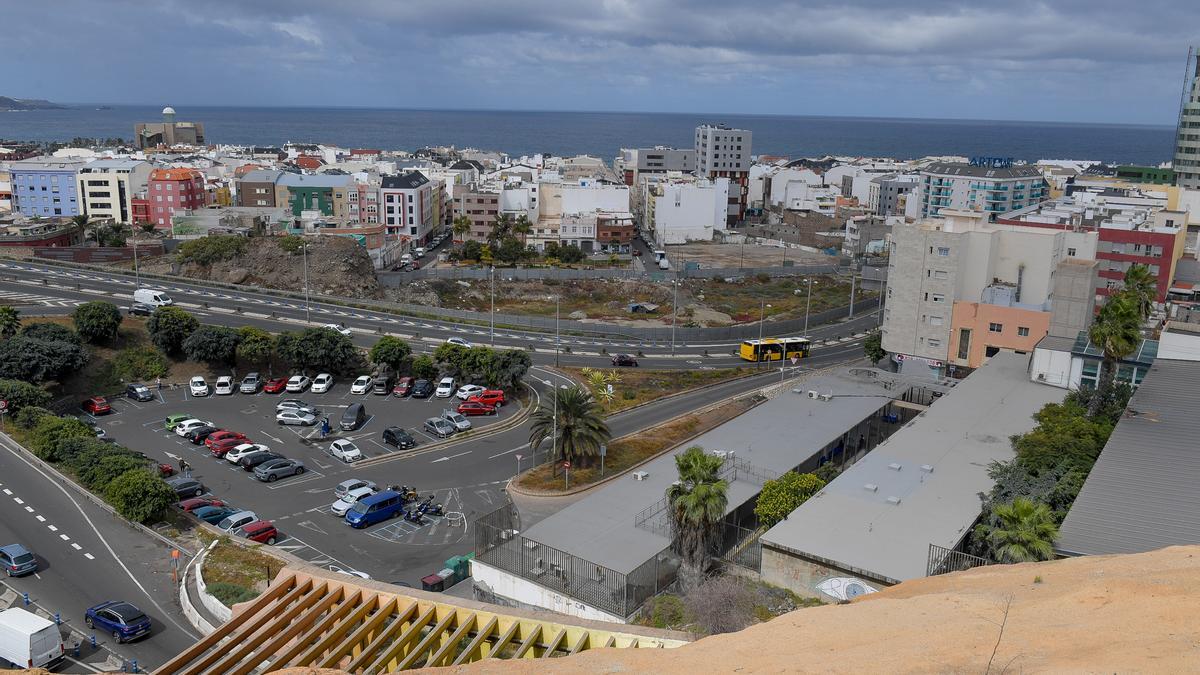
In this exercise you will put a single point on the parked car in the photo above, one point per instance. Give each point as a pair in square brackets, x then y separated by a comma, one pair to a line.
[321, 383]
[185, 426]
[403, 387]
[141, 309]
[252, 460]
[339, 328]
[298, 383]
[222, 435]
[460, 422]
[151, 297]
[174, 419]
[624, 360]
[475, 408]
[185, 487]
[17, 560]
[251, 383]
[439, 427]
[492, 397]
[459, 341]
[189, 505]
[361, 384]
[214, 514]
[235, 455]
[262, 531]
[138, 392]
[343, 504]
[197, 386]
[468, 390]
[121, 620]
[398, 437]
[445, 388]
[236, 520]
[422, 389]
[345, 451]
[295, 418]
[349, 484]
[96, 405]
[221, 447]
[354, 417]
[223, 386]
[375, 508]
[100, 433]
[278, 468]
[381, 385]
[197, 435]
[275, 385]
[296, 405]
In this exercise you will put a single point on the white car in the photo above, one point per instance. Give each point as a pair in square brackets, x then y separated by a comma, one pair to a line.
[238, 452]
[236, 520]
[361, 385]
[185, 426]
[298, 383]
[419, 252]
[460, 421]
[321, 383]
[345, 451]
[341, 506]
[468, 390]
[346, 486]
[197, 386]
[295, 417]
[338, 328]
[295, 404]
[459, 341]
[223, 386]
[445, 388]
[349, 573]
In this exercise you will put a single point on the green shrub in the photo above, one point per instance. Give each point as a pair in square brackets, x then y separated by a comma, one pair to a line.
[97, 321]
[140, 496]
[29, 416]
[783, 495]
[98, 475]
[230, 594]
[140, 363]
[50, 432]
[629, 395]
[666, 611]
[22, 395]
[291, 243]
[763, 278]
[211, 249]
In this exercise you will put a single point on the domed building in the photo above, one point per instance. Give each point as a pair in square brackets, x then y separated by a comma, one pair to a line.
[168, 132]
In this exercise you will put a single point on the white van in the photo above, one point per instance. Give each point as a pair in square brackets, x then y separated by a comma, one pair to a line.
[29, 641]
[149, 296]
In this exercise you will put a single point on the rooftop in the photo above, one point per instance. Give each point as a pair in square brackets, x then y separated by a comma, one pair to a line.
[406, 181]
[45, 163]
[959, 169]
[1141, 495]
[924, 480]
[262, 176]
[174, 174]
[319, 180]
[113, 164]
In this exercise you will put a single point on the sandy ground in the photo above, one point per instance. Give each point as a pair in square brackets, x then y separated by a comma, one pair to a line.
[731, 255]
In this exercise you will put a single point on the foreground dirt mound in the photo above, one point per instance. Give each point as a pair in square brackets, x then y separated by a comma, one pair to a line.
[1135, 613]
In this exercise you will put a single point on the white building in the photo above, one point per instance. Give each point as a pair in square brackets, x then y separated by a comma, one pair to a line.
[107, 186]
[680, 212]
[587, 195]
[790, 185]
[990, 189]
[407, 203]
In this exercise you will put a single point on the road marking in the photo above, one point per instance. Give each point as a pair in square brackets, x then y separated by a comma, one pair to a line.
[18, 500]
[40, 519]
[507, 452]
[75, 546]
[29, 509]
[8, 492]
[89, 556]
[445, 459]
[64, 537]
[52, 528]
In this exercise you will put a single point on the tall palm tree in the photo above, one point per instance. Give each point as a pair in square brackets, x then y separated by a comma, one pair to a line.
[1142, 288]
[10, 321]
[522, 227]
[460, 227]
[79, 224]
[1025, 532]
[696, 505]
[580, 430]
[501, 228]
[1116, 331]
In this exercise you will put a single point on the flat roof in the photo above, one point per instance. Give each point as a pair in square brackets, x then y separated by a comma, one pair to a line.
[778, 435]
[316, 180]
[942, 458]
[1141, 495]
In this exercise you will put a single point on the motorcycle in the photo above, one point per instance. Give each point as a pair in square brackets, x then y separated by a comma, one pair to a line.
[414, 517]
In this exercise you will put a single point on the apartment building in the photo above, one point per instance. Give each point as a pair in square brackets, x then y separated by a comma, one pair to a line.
[107, 188]
[172, 191]
[679, 210]
[887, 194]
[46, 186]
[326, 194]
[990, 188]
[723, 152]
[408, 208]
[1187, 134]
[258, 188]
[634, 162]
[481, 207]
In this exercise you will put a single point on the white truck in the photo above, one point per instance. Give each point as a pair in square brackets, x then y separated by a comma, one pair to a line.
[29, 641]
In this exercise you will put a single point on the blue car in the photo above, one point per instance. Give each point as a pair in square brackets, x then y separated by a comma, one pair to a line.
[17, 560]
[375, 508]
[120, 619]
[214, 514]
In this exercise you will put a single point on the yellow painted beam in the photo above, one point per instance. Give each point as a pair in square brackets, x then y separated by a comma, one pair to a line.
[527, 646]
[344, 605]
[382, 613]
[426, 644]
[464, 627]
[398, 625]
[476, 645]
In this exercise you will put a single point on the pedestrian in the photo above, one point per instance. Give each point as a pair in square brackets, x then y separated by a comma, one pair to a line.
[160, 383]
[187, 469]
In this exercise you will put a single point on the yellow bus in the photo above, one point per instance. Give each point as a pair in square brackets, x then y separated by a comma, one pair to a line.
[776, 349]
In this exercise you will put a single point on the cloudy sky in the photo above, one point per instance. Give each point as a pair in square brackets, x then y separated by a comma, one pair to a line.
[1068, 60]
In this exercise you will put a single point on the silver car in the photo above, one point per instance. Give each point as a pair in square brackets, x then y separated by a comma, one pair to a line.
[460, 422]
[439, 427]
[268, 472]
[295, 418]
[343, 504]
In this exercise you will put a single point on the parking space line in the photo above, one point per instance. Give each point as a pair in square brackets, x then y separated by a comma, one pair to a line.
[29, 509]
[52, 528]
[40, 519]
[309, 477]
[89, 556]
[18, 500]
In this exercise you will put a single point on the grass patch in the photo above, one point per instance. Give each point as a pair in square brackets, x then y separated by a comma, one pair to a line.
[721, 604]
[639, 386]
[241, 567]
[743, 300]
[629, 451]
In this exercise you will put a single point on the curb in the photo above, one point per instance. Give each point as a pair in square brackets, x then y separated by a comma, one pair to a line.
[685, 392]
[185, 601]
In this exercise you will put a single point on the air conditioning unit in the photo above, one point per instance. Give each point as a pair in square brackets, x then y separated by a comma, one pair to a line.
[894, 466]
[871, 487]
[640, 475]
[894, 501]
[927, 468]
[826, 397]
[813, 394]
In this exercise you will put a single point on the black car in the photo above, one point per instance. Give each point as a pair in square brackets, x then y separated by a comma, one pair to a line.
[138, 392]
[199, 434]
[250, 461]
[141, 309]
[422, 389]
[398, 437]
[185, 487]
[624, 360]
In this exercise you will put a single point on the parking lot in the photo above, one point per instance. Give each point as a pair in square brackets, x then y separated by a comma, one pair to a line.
[395, 550]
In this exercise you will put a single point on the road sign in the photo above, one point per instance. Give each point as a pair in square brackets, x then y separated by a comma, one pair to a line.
[3, 405]
[795, 360]
[518, 457]
[567, 464]
[603, 449]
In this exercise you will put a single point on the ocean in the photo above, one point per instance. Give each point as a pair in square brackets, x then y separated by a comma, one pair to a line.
[603, 134]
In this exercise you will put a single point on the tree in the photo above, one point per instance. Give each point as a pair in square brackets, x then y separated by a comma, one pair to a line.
[140, 363]
[1142, 288]
[1025, 533]
[97, 321]
[508, 368]
[580, 429]
[255, 347]
[51, 431]
[50, 332]
[147, 227]
[522, 227]
[460, 227]
[215, 345]
[79, 223]
[140, 496]
[97, 475]
[28, 416]
[570, 254]
[1116, 332]
[391, 352]
[550, 250]
[1064, 433]
[10, 321]
[20, 394]
[320, 350]
[501, 229]
[511, 251]
[472, 250]
[696, 504]
[169, 327]
[423, 367]
[33, 359]
[783, 495]
[873, 347]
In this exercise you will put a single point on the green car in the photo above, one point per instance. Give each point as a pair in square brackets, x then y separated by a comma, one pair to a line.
[173, 421]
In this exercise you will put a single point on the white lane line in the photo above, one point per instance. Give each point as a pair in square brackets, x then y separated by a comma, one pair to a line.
[64, 537]
[40, 519]
[75, 546]
[8, 492]
[18, 500]
[507, 452]
[52, 528]
[89, 556]
[29, 509]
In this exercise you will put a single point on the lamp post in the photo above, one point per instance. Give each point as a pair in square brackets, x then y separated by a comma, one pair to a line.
[807, 306]
[492, 280]
[762, 315]
[554, 432]
[137, 277]
[674, 311]
[557, 301]
[307, 304]
[853, 278]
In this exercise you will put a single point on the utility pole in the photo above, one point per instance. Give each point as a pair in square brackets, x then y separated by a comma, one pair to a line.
[762, 315]
[492, 278]
[137, 277]
[807, 307]
[557, 300]
[853, 277]
[674, 311]
[307, 304]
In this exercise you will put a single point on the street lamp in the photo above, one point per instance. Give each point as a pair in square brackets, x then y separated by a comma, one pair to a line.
[807, 306]
[492, 283]
[307, 305]
[557, 301]
[137, 277]
[554, 432]
[762, 315]
[674, 311]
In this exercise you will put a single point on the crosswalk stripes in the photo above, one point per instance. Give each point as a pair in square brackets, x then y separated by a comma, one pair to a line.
[18, 298]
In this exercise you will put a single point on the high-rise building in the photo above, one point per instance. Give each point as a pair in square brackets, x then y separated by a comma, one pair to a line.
[992, 189]
[107, 187]
[1187, 134]
[722, 152]
[46, 186]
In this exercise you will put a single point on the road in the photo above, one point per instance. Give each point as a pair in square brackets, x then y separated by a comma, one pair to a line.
[87, 556]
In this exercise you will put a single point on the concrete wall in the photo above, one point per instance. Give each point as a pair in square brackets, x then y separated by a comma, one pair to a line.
[921, 291]
[1052, 367]
[1073, 300]
[525, 593]
[800, 576]
[576, 199]
[686, 212]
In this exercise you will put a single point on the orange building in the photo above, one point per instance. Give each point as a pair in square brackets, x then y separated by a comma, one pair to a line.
[979, 330]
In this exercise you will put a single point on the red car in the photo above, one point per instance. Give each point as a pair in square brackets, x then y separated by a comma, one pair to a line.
[492, 397]
[220, 448]
[96, 405]
[403, 387]
[166, 470]
[473, 408]
[223, 435]
[262, 531]
[194, 503]
[275, 386]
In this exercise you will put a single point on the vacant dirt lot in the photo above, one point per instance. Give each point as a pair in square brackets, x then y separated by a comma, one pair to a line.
[737, 255]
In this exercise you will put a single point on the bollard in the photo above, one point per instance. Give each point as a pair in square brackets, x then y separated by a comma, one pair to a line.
[57, 619]
[124, 666]
[133, 666]
[76, 649]
[25, 596]
[93, 640]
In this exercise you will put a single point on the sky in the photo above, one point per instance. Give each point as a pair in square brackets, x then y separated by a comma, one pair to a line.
[1069, 60]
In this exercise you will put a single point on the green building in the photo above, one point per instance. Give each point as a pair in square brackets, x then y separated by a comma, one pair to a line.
[1146, 174]
[325, 193]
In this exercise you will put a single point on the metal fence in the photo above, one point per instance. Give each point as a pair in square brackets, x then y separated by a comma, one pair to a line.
[944, 560]
[742, 546]
[396, 279]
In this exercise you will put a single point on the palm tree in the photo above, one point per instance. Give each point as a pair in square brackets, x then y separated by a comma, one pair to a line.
[79, 224]
[522, 227]
[1142, 287]
[696, 504]
[460, 227]
[501, 229]
[1025, 532]
[1116, 332]
[580, 430]
[10, 321]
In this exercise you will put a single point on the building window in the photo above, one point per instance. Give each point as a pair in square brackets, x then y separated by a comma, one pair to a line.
[934, 342]
[935, 321]
[943, 251]
[940, 274]
[1022, 331]
[964, 342]
[996, 327]
[1071, 252]
[938, 297]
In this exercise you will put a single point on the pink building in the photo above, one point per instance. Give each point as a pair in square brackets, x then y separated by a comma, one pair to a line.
[172, 191]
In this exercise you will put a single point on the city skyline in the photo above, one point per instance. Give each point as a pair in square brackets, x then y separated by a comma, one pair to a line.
[1027, 62]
